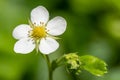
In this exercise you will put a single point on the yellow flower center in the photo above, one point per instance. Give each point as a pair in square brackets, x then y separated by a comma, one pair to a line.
[38, 32]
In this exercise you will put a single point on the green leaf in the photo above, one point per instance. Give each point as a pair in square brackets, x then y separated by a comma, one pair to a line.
[93, 65]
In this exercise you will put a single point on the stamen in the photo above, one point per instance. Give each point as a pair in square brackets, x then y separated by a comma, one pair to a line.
[33, 43]
[34, 23]
[38, 31]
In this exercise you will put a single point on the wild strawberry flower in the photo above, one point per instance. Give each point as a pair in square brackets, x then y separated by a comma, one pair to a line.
[40, 33]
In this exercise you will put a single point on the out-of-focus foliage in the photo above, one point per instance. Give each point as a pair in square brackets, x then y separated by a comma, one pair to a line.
[93, 28]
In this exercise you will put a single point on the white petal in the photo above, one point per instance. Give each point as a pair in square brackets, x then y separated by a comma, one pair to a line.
[24, 46]
[21, 31]
[48, 45]
[56, 26]
[39, 14]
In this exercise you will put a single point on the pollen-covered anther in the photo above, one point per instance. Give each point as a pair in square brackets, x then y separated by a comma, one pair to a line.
[41, 23]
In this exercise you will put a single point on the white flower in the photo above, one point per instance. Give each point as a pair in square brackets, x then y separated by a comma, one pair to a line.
[39, 33]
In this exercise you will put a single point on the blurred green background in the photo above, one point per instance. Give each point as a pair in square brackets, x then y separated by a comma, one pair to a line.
[93, 27]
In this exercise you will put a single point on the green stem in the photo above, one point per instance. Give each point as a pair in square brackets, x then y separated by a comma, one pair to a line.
[59, 62]
[49, 67]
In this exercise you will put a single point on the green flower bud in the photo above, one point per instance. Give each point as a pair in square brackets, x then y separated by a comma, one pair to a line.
[72, 62]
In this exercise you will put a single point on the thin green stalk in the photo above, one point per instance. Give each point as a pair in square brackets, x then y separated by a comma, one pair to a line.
[49, 67]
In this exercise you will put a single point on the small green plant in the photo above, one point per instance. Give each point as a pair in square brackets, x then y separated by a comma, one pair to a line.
[41, 34]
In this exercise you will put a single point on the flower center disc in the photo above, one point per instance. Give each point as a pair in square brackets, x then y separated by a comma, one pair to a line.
[38, 32]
